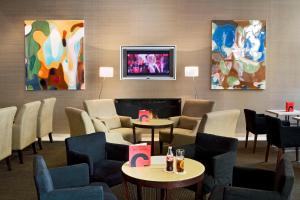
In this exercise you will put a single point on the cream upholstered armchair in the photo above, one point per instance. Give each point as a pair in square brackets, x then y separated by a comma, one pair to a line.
[79, 121]
[222, 123]
[6, 122]
[80, 124]
[25, 128]
[45, 120]
[105, 118]
[186, 125]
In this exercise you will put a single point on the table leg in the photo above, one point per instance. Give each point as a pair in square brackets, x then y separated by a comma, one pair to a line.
[134, 134]
[171, 134]
[199, 194]
[126, 190]
[163, 194]
[152, 141]
[139, 192]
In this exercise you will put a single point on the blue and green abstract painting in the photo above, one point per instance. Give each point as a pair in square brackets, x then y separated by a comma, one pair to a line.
[238, 54]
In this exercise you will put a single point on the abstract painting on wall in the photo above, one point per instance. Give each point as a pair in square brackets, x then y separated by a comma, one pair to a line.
[238, 54]
[54, 54]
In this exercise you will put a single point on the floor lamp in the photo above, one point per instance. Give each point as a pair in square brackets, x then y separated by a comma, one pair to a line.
[192, 71]
[104, 72]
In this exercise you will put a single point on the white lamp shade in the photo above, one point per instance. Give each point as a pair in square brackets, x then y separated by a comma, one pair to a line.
[191, 71]
[106, 71]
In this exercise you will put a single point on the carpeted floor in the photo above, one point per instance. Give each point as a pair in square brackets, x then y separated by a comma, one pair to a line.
[18, 184]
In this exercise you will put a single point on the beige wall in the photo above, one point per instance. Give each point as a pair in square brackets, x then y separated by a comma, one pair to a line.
[187, 24]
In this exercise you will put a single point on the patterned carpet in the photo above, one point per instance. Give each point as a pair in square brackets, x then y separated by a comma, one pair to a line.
[18, 184]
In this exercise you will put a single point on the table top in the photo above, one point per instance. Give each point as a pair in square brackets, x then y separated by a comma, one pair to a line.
[153, 122]
[283, 112]
[156, 171]
[296, 118]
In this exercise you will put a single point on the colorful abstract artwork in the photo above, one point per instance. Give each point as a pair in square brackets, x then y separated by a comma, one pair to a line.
[54, 54]
[238, 54]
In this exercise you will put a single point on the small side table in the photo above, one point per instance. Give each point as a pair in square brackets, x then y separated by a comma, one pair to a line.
[152, 124]
[155, 176]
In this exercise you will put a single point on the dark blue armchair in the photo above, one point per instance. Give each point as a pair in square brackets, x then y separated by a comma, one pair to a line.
[104, 159]
[258, 184]
[67, 183]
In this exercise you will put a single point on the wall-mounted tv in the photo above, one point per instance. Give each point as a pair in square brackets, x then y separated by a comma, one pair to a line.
[148, 62]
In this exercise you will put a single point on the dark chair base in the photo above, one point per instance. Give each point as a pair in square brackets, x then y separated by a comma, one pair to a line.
[7, 160]
[50, 137]
[40, 143]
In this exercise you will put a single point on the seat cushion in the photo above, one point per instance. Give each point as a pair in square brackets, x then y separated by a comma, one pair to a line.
[164, 134]
[108, 171]
[112, 122]
[127, 133]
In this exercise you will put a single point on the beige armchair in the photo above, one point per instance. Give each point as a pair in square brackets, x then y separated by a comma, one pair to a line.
[186, 125]
[45, 120]
[6, 123]
[79, 122]
[105, 118]
[222, 123]
[25, 128]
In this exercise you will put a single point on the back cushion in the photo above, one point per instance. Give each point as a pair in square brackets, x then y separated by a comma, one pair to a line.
[92, 145]
[111, 122]
[187, 122]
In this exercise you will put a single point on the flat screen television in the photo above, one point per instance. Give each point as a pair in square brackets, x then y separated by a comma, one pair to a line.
[148, 62]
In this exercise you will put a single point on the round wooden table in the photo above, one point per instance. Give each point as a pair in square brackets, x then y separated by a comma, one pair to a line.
[152, 124]
[155, 176]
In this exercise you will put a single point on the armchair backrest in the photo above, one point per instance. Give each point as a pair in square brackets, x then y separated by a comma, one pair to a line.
[216, 143]
[221, 123]
[197, 107]
[250, 119]
[25, 126]
[92, 145]
[6, 122]
[79, 121]
[284, 178]
[273, 130]
[100, 108]
[45, 117]
[42, 177]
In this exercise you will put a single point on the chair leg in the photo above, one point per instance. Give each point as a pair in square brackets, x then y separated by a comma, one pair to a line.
[161, 144]
[20, 155]
[279, 155]
[33, 148]
[267, 152]
[255, 141]
[247, 135]
[50, 137]
[40, 143]
[297, 154]
[7, 159]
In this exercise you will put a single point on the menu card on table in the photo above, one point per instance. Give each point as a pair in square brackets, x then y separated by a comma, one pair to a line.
[139, 155]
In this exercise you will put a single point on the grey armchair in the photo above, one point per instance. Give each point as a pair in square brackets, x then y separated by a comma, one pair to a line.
[218, 155]
[67, 183]
[258, 184]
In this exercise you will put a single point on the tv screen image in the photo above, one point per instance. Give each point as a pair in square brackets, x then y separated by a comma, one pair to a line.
[148, 63]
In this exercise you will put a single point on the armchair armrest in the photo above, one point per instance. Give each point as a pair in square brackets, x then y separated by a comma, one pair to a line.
[125, 121]
[77, 158]
[86, 193]
[253, 178]
[222, 167]
[118, 152]
[250, 194]
[175, 119]
[70, 176]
